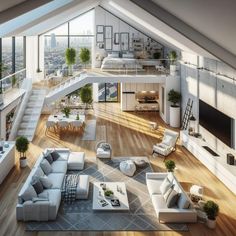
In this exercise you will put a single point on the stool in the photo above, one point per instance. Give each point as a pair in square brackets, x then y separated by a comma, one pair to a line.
[196, 192]
[128, 167]
[76, 161]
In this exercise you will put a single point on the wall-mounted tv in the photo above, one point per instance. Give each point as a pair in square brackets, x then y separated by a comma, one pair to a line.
[216, 122]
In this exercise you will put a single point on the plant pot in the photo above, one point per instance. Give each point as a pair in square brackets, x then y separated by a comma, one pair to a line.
[23, 162]
[175, 116]
[173, 70]
[211, 224]
[1, 99]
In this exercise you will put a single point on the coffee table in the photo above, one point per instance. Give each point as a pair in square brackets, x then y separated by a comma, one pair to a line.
[98, 194]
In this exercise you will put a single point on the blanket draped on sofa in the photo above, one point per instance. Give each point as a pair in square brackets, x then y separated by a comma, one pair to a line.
[69, 186]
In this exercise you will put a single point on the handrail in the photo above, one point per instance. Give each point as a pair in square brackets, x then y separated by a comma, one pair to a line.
[9, 76]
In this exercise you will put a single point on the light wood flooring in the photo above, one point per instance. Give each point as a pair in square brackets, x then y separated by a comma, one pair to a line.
[129, 135]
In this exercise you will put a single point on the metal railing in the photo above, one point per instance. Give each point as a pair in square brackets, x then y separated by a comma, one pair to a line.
[12, 81]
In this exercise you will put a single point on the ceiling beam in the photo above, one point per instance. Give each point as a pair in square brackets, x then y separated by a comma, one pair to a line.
[20, 9]
[189, 32]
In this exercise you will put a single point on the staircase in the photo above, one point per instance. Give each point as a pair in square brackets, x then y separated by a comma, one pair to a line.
[32, 114]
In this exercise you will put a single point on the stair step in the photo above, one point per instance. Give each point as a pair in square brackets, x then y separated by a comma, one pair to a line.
[34, 111]
[28, 125]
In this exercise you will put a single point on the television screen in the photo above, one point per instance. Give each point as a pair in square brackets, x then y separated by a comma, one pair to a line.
[216, 122]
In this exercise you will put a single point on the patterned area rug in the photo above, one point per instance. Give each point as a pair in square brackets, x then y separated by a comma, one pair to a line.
[79, 215]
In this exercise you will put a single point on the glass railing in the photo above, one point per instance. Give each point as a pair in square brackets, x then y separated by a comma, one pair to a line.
[12, 81]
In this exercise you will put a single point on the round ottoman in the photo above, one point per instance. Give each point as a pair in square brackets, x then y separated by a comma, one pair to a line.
[128, 167]
[140, 163]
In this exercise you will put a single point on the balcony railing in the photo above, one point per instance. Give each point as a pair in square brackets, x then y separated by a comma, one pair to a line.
[12, 81]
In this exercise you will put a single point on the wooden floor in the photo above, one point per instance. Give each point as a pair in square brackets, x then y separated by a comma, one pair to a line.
[129, 135]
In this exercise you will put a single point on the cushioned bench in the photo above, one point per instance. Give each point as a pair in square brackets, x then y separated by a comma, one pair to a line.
[76, 161]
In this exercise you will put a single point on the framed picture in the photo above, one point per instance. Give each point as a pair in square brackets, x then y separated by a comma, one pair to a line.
[108, 32]
[100, 37]
[100, 28]
[116, 38]
[108, 44]
[124, 41]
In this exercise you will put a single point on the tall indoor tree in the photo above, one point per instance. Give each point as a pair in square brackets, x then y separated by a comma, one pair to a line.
[70, 59]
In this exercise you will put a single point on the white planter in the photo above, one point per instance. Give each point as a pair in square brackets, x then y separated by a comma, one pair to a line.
[1, 99]
[23, 163]
[211, 224]
[175, 116]
[173, 70]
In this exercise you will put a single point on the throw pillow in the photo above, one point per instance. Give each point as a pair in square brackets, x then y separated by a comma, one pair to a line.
[183, 202]
[172, 199]
[38, 187]
[55, 155]
[165, 185]
[167, 140]
[46, 167]
[29, 193]
[167, 193]
[46, 182]
[48, 157]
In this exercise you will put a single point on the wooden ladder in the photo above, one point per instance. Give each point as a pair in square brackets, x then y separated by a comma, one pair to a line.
[187, 114]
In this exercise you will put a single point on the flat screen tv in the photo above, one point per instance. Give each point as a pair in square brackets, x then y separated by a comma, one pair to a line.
[216, 122]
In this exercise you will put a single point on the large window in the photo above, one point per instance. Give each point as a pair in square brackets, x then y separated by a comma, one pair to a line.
[77, 33]
[19, 54]
[108, 92]
[7, 56]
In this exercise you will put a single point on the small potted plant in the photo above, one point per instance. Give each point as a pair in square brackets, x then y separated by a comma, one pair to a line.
[170, 165]
[22, 145]
[172, 57]
[108, 193]
[212, 210]
[66, 111]
[174, 97]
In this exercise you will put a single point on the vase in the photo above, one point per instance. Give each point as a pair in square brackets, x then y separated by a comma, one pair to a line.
[211, 224]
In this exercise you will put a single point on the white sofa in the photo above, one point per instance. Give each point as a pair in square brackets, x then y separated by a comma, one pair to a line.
[165, 214]
[44, 209]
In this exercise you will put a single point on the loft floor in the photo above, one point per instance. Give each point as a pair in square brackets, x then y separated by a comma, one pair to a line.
[129, 135]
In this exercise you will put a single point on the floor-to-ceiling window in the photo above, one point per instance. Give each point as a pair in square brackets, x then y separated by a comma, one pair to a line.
[108, 92]
[7, 56]
[77, 33]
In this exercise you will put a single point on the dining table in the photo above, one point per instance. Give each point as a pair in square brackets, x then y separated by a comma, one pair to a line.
[57, 118]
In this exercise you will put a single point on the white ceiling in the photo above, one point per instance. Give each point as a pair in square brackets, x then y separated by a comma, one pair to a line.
[213, 18]
[9, 3]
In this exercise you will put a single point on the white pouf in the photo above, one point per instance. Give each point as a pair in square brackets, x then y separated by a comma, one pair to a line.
[196, 190]
[76, 161]
[128, 167]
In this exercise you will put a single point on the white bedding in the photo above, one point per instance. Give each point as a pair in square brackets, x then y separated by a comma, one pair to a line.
[120, 63]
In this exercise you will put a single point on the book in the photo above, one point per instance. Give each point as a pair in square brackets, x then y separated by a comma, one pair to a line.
[102, 202]
[115, 202]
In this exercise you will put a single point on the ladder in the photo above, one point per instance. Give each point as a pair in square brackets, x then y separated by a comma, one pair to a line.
[187, 114]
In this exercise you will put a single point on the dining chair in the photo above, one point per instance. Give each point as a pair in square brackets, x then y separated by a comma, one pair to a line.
[63, 125]
[50, 125]
[76, 125]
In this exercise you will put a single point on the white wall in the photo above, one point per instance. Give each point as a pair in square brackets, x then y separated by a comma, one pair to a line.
[214, 89]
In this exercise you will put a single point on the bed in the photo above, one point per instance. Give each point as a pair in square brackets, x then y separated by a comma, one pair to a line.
[114, 62]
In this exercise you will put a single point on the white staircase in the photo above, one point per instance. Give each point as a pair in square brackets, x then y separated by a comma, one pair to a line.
[32, 114]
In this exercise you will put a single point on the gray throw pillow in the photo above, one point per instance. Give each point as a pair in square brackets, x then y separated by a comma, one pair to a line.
[29, 193]
[55, 155]
[49, 158]
[46, 167]
[183, 202]
[46, 182]
[165, 185]
[172, 199]
[38, 187]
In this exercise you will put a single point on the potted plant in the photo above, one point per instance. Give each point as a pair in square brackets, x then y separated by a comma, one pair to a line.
[174, 97]
[172, 57]
[170, 165]
[70, 59]
[86, 95]
[212, 210]
[84, 56]
[108, 194]
[22, 145]
[66, 111]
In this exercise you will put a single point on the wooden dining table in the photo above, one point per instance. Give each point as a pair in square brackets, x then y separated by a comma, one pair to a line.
[57, 118]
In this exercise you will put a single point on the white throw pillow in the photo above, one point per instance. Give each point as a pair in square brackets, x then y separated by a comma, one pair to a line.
[165, 185]
[167, 140]
[29, 193]
[46, 167]
[46, 182]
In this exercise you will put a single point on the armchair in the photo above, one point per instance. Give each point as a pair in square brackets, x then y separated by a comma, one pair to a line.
[168, 143]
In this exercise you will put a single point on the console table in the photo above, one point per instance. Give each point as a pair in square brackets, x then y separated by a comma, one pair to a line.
[7, 160]
[216, 164]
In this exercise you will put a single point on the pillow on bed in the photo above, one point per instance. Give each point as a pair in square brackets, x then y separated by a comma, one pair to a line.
[113, 55]
[128, 55]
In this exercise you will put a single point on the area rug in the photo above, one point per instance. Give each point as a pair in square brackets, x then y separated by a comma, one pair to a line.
[79, 215]
[90, 131]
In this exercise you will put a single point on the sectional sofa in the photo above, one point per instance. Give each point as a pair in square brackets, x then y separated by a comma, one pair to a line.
[182, 211]
[44, 206]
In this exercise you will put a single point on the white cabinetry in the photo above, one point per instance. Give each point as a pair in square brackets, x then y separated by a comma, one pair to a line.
[7, 160]
[128, 101]
[216, 164]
